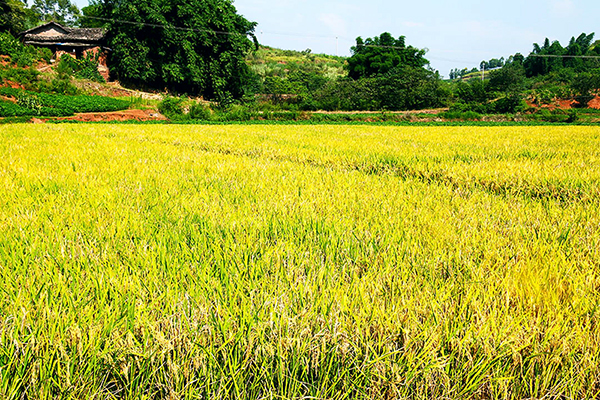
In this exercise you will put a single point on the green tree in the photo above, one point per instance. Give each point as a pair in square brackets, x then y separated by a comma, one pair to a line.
[410, 88]
[91, 15]
[585, 85]
[187, 46]
[61, 11]
[13, 16]
[510, 78]
[380, 55]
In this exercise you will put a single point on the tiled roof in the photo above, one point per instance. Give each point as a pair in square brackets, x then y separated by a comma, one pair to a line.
[76, 35]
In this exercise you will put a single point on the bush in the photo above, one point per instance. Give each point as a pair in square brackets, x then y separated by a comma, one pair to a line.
[21, 55]
[200, 112]
[237, 113]
[25, 77]
[558, 115]
[85, 68]
[510, 104]
[171, 107]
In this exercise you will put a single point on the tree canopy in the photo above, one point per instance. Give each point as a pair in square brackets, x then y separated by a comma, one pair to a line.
[61, 11]
[191, 46]
[553, 57]
[12, 16]
[380, 55]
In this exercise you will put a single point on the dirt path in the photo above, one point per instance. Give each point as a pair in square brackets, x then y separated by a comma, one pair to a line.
[126, 115]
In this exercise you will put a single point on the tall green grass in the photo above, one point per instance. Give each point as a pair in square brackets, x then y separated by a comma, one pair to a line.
[327, 262]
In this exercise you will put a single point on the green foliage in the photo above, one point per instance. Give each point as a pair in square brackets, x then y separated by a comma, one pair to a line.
[410, 88]
[542, 62]
[21, 55]
[400, 89]
[459, 73]
[61, 11]
[585, 86]
[511, 78]
[28, 77]
[557, 115]
[89, 15]
[84, 68]
[382, 54]
[61, 86]
[473, 92]
[13, 16]
[508, 104]
[493, 63]
[29, 101]
[460, 115]
[192, 60]
[56, 105]
[200, 111]
[171, 107]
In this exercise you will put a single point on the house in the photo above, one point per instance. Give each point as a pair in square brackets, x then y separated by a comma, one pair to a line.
[77, 42]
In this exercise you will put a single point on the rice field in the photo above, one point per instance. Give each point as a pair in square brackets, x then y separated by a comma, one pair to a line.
[299, 262]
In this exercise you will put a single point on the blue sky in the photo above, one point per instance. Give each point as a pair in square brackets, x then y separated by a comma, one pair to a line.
[457, 34]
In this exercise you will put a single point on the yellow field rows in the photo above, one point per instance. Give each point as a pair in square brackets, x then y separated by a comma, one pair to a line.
[329, 262]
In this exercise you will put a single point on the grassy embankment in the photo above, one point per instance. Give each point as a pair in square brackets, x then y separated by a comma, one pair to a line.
[280, 262]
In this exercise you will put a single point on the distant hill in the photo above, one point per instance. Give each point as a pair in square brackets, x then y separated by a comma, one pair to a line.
[269, 61]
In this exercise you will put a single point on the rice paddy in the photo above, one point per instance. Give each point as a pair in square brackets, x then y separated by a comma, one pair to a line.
[299, 262]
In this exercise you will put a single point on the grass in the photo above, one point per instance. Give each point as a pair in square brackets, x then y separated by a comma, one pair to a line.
[328, 262]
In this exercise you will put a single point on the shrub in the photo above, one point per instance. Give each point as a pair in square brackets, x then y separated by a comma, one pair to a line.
[237, 112]
[85, 68]
[201, 112]
[21, 55]
[171, 107]
[557, 115]
[510, 104]
[25, 77]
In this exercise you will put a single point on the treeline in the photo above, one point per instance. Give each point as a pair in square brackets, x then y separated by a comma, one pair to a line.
[550, 72]
[16, 16]
[383, 73]
[204, 48]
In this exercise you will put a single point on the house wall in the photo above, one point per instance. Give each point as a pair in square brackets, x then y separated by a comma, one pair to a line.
[59, 53]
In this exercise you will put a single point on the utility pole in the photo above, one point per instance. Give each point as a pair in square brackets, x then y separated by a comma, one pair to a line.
[336, 46]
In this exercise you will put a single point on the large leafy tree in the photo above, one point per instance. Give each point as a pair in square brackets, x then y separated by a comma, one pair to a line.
[61, 11]
[553, 57]
[382, 54]
[13, 16]
[191, 46]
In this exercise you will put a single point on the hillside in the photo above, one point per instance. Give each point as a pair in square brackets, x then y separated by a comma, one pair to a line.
[269, 61]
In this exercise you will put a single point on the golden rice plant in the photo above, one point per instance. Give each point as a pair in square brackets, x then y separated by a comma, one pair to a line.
[297, 262]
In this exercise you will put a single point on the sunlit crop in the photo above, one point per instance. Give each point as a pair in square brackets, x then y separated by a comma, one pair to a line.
[282, 262]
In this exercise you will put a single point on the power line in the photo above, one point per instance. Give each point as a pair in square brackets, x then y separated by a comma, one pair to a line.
[564, 56]
[179, 28]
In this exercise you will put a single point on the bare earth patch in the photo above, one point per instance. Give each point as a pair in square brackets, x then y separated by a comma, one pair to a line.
[126, 115]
